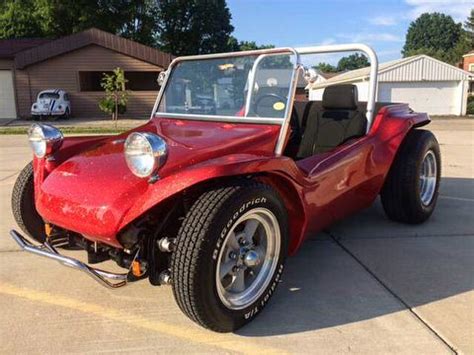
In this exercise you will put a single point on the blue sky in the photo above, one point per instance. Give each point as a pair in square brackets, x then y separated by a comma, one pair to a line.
[381, 24]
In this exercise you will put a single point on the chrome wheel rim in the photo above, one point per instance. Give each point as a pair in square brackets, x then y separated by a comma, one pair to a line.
[428, 176]
[248, 258]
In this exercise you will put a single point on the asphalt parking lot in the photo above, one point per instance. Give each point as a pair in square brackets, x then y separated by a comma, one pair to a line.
[367, 285]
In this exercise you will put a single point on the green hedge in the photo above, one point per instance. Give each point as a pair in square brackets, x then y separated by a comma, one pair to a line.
[470, 107]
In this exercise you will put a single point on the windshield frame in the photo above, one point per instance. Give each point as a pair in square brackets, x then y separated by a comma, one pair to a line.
[262, 53]
[252, 77]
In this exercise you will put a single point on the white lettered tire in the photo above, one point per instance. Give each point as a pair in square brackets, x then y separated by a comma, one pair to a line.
[230, 254]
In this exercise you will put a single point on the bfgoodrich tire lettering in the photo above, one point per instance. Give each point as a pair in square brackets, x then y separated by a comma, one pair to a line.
[402, 195]
[23, 205]
[199, 242]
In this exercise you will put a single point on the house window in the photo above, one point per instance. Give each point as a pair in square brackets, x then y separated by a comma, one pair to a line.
[137, 80]
[471, 67]
[90, 80]
[142, 80]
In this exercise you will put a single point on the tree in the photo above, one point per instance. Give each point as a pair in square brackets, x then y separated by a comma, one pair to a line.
[116, 97]
[140, 22]
[194, 26]
[17, 19]
[325, 67]
[469, 26]
[56, 18]
[352, 62]
[235, 45]
[436, 35]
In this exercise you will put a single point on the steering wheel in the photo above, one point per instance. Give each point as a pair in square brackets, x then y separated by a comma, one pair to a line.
[295, 132]
[265, 104]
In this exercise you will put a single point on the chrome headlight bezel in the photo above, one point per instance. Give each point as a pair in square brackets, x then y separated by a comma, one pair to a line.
[44, 139]
[145, 149]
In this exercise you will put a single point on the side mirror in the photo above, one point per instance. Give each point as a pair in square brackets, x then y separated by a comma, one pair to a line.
[310, 75]
[162, 77]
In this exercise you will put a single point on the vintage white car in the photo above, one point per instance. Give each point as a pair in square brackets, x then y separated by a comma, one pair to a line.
[52, 103]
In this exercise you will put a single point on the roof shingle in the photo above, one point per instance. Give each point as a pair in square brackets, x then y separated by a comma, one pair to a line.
[10, 47]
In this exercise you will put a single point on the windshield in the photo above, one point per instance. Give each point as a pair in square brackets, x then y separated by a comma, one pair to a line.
[219, 87]
[49, 95]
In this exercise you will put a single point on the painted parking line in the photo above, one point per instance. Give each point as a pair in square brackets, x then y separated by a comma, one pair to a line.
[222, 341]
[457, 198]
[9, 176]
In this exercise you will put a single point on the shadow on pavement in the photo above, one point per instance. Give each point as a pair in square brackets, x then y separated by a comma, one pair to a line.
[323, 286]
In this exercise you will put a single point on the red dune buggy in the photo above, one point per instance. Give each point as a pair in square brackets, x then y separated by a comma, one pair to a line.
[225, 180]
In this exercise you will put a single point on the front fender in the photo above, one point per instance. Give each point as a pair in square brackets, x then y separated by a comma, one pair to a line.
[70, 147]
[226, 166]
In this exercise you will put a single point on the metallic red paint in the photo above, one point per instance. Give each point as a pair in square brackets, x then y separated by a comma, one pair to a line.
[88, 188]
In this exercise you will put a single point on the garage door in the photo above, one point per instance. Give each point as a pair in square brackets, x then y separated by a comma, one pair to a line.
[7, 95]
[433, 97]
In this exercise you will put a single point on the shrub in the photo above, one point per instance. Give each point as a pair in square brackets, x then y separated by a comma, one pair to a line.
[116, 97]
[470, 107]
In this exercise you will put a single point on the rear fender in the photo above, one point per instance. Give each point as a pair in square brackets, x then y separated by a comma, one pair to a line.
[391, 126]
[278, 172]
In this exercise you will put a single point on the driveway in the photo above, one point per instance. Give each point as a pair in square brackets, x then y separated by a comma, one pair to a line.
[366, 285]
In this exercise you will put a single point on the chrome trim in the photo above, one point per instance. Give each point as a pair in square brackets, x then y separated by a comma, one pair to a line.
[280, 144]
[158, 147]
[248, 258]
[161, 92]
[215, 118]
[232, 54]
[372, 94]
[253, 76]
[428, 178]
[52, 137]
[211, 56]
[48, 251]
[374, 65]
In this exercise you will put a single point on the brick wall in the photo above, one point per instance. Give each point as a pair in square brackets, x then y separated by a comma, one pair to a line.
[468, 63]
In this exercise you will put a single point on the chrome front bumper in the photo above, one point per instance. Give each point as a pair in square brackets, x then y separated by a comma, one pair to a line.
[105, 278]
[47, 113]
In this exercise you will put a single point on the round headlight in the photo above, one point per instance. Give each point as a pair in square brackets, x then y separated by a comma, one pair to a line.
[44, 139]
[145, 153]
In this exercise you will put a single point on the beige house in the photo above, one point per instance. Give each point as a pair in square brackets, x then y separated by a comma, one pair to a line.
[76, 64]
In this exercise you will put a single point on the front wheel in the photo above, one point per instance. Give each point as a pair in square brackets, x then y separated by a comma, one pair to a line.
[229, 255]
[23, 205]
[410, 191]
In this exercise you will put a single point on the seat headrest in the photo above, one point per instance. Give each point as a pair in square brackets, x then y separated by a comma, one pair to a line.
[340, 97]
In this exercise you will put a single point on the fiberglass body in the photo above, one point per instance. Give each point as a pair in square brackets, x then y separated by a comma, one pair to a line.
[87, 188]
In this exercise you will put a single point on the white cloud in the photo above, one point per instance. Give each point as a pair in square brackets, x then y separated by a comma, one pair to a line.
[327, 41]
[458, 9]
[370, 37]
[383, 20]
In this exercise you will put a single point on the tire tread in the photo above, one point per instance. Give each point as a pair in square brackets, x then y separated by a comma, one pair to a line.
[191, 240]
[398, 196]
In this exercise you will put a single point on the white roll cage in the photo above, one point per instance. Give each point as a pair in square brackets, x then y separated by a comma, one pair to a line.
[297, 67]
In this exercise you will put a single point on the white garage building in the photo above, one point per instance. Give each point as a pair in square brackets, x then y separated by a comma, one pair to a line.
[7, 96]
[426, 84]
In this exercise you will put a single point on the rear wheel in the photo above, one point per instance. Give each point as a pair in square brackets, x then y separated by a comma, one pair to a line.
[410, 192]
[23, 205]
[229, 255]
